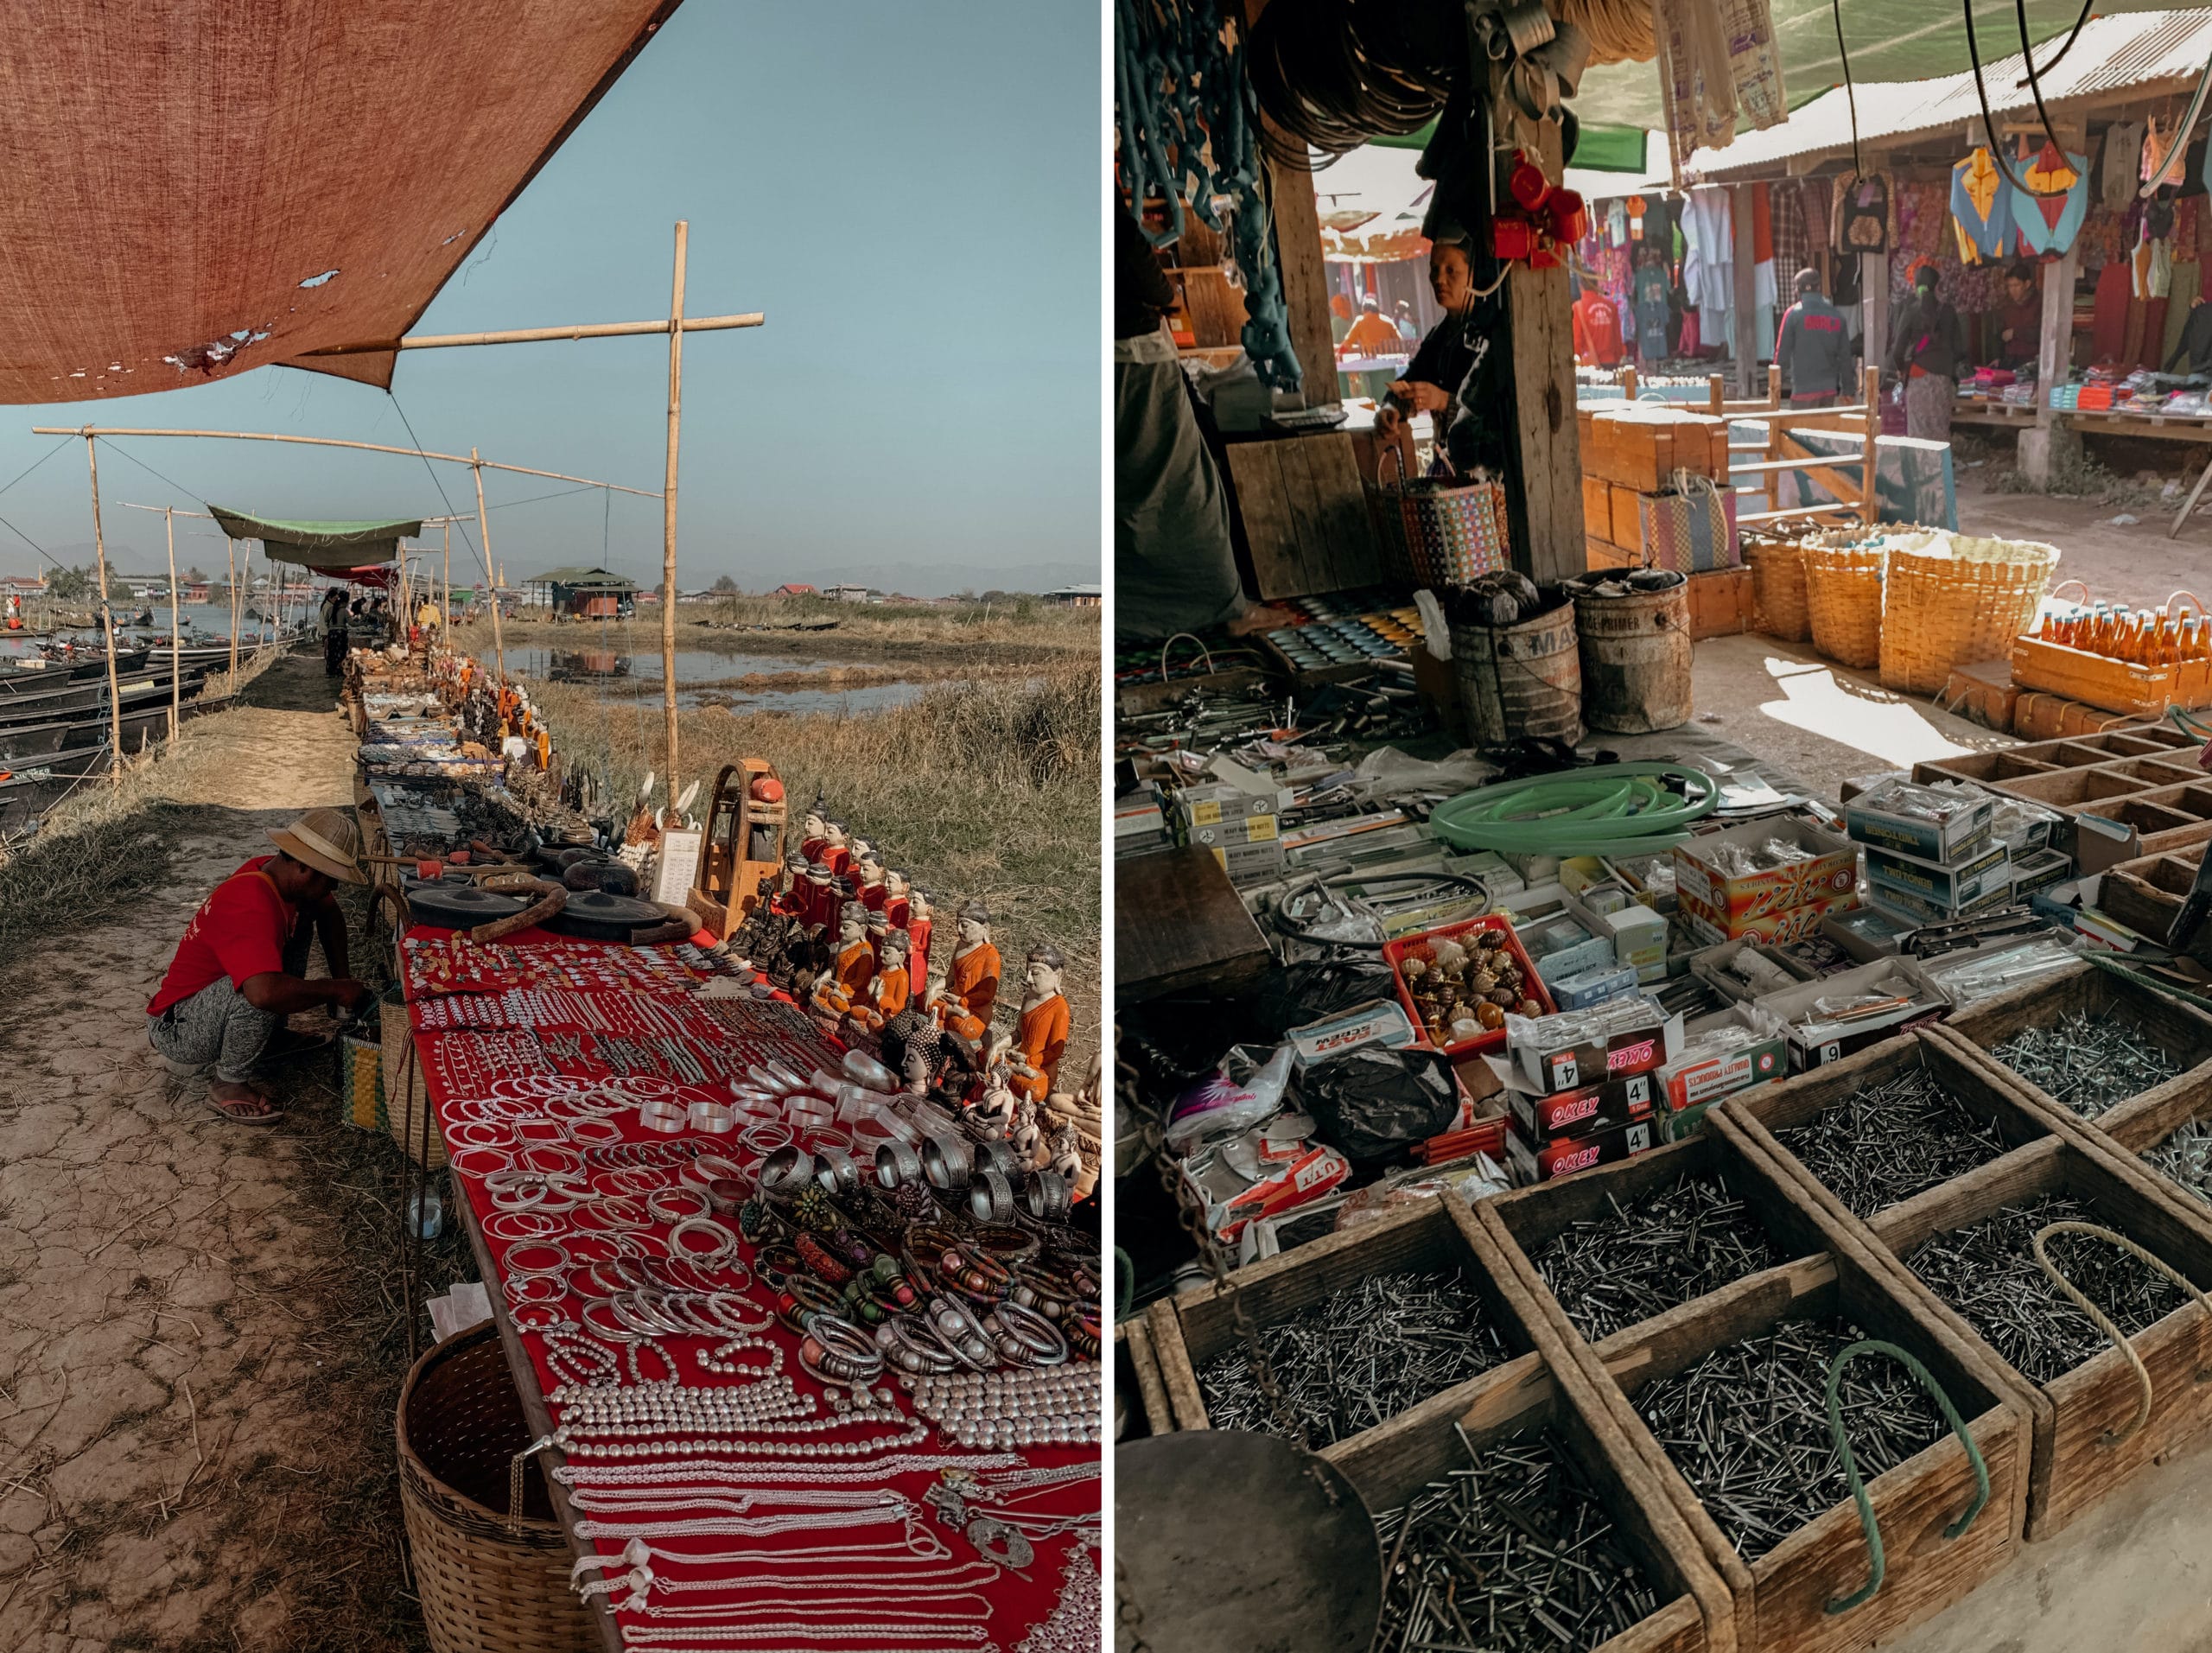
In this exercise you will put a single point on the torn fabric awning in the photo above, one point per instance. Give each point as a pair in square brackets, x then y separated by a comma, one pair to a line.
[332, 547]
[196, 188]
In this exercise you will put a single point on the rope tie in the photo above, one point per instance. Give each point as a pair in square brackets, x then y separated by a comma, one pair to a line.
[1877, 1565]
[2112, 1438]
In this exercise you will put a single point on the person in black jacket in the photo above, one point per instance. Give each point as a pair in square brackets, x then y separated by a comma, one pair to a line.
[1927, 348]
[2196, 346]
[1813, 347]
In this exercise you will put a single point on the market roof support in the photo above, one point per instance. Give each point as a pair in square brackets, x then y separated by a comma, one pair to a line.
[107, 620]
[1743, 310]
[2046, 448]
[668, 498]
[1543, 444]
[491, 579]
[176, 639]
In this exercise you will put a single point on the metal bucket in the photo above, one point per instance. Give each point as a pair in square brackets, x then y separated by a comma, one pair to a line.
[1524, 679]
[1635, 659]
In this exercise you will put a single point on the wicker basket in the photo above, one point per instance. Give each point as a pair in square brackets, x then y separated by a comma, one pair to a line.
[1778, 588]
[1941, 611]
[488, 1585]
[400, 1115]
[1843, 598]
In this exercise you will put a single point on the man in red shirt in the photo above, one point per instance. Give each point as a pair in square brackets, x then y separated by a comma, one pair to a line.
[241, 967]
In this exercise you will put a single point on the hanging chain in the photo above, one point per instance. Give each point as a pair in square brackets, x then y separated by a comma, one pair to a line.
[1191, 1212]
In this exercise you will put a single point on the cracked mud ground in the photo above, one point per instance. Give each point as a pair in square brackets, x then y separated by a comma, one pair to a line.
[200, 1337]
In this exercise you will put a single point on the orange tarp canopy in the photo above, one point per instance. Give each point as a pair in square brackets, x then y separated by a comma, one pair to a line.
[198, 187]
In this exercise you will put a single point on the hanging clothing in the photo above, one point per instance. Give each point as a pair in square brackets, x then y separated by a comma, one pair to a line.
[1793, 241]
[1981, 208]
[1710, 225]
[1596, 329]
[1652, 313]
[2108, 328]
[2119, 170]
[2048, 214]
[2196, 341]
[1864, 219]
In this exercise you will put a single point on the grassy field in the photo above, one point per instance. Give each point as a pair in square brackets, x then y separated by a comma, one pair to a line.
[982, 789]
[1023, 631]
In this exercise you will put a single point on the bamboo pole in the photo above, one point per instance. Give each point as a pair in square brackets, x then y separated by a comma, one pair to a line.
[230, 564]
[445, 608]
[334, 442]
[484, 527]
[538, 335]
[107, 619]
[176, 643]
[668, 502]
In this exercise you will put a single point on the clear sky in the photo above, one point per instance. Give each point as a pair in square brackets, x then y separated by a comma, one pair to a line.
[908, 189]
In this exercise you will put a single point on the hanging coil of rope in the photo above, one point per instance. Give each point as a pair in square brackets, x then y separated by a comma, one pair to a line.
[1334, 74]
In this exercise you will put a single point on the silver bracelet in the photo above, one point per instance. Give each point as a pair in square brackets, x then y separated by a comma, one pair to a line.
[836, 1170]
[1048, 1196]
[896, 1165]
[946, 1161]
[990, 1198]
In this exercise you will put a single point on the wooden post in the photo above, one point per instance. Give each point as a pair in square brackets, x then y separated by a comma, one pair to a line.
[484, 527]
[445, 608]
[668, 498]
[1874, 299]
[2054, 440]
[1543, 453]
[1869, 506]
[107, 619]
[1628, 388]
[176, 645]
[1743, 314]
[230, 564]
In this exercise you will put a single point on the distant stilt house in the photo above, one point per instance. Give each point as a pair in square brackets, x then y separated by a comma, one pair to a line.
[581, 594]
[1078, 596]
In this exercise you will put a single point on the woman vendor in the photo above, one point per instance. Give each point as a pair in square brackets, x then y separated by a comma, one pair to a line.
[1453, 375]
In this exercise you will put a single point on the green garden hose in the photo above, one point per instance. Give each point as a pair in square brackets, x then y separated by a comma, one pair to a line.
[1621, 808]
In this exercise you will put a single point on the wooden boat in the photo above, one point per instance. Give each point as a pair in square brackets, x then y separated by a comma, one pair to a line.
[38, 784]
[74, 700]
[26, 741]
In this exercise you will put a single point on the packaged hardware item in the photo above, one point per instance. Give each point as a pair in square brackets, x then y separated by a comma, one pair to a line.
[1839, 1014]
[1933, 822]
[1968, 978]
[1952, 885]
[1532, 1162]
[1721, 1054]
[1613, 1040]
[1743, 875]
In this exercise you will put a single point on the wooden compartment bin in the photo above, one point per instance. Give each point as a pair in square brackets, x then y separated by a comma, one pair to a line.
[2182, 1032]
[1540, 1384]
[1136, 1383]
[2080, 1459]
[1782, 1598]
[1543, 1391]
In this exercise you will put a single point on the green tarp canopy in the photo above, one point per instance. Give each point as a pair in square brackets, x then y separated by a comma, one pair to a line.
[319, 545]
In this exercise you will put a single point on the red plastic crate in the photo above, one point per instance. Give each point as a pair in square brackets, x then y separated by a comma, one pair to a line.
[1422, 946]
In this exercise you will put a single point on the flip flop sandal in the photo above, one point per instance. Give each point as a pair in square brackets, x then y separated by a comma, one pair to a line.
[289, 1047]
[224, 1109]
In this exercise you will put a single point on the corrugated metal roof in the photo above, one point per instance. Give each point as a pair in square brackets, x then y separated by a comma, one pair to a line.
[2139, 52]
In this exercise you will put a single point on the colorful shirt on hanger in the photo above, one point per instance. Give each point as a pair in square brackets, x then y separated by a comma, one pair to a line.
[2049, 213]
[1980, 208]
[1864, 220]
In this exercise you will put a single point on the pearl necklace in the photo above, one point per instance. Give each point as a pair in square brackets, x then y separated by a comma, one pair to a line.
[913, 1435]
[670, 1638]
[736, 1472]
[896, 1510]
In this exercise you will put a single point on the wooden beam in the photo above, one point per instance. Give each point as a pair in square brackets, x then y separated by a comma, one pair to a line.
[1869, 503]
[1543, 441]
[544, 335]
[1874, 303]
[1297, 219]
[107, 619]
[336, 442]
[667, 501]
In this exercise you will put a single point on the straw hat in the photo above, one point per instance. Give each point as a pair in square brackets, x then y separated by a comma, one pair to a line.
[325, 840]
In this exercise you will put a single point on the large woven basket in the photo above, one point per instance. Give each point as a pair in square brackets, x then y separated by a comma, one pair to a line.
[1942, 611]
[1778, 588]
[1843, 599]
[404, 1113]
[487, 1584]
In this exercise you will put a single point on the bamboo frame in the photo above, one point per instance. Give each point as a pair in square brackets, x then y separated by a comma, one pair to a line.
[176, 642]
[107, 619]
[667, 501]
[547, 335]
[492, 580]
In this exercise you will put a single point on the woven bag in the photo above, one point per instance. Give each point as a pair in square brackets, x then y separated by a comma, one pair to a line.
[1455, 530]
[1942, 611]
[1778, 588]
[400, 1112]
[1843, 599]
[1689, 528]
[1388, 518]
[492, 1580]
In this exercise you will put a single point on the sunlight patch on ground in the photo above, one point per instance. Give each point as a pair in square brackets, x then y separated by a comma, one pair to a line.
[1861, 716]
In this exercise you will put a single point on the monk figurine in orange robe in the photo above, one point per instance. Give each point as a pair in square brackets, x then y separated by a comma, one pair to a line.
[843, 985]
[898, 898]
[972, 979]
[1040, 1034]
[791, 899]
[889, 989]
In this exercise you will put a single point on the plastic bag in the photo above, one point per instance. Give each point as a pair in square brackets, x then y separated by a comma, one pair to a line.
[1373, 1102]
[1477, 1179]
[1295, 995]
[1245, 1091]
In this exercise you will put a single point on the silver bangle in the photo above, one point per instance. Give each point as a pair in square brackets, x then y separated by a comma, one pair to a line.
[994, 1154]
[946, 1161]
[712, 1117]
[896, 1165]
[725, 1243]
[785, 1173]
[1047, 1195]
[666, 1117]
[990, 1198]
[835, 1169]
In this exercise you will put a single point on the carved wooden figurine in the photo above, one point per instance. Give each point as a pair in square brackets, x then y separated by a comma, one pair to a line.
[841, 985]
[973, 979]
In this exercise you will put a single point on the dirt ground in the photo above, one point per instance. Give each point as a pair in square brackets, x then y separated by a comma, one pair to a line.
[199, 1352]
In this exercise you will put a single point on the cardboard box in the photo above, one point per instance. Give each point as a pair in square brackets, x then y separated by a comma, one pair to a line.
[1868, 934]
[1711, 926]
[2040, 871]
[1564, 957]
[1564, 1053]
[1922, 1002]
[1953, 884]
[1741, 900]
[1378, 1021]
[1250, 864]
[1530, 1162]
[1723, 1053]
[1918, 911]
[1593, 986]
[1713, 965]
[1586, 1112]
[1312, 1174]
[1867, 818]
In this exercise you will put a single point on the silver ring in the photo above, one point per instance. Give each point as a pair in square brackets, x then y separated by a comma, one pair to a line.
[725, 1243]
[785, 1172]
[667, 1117]
[990, 1198]
[896, 1165]
[946, 1161]
[996, 1154]
[835, 1170]
[1047, 1195]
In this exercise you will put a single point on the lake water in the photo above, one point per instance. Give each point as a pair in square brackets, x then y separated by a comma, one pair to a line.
[635, 679]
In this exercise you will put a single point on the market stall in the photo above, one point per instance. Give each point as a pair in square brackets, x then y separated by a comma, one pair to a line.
[795, 1343]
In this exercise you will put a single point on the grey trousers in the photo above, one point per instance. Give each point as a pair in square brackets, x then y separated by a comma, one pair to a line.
[215, 1025]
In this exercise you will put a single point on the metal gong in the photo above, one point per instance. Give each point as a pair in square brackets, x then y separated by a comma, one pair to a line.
[1227, 1542]
[457, 904]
